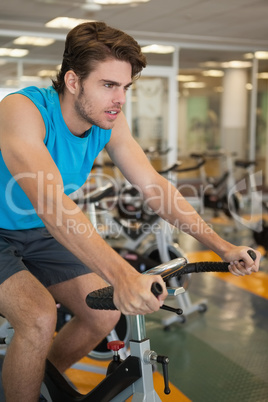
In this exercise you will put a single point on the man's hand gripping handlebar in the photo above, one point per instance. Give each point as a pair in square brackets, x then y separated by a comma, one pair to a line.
[102, 299]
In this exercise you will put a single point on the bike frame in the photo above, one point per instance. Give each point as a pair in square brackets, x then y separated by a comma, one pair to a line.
[134, 377]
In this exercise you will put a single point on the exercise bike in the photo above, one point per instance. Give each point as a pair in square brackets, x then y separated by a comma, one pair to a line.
[141, 249]
[133, 376]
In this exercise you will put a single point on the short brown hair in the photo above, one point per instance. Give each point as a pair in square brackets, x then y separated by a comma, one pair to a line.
[93, 42]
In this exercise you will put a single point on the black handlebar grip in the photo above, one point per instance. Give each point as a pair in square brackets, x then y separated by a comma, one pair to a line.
[252, 254]
[156, 289]
[211, 266]
[101, 299]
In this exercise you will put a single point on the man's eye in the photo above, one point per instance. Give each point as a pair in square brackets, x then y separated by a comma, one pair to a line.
[109, 85]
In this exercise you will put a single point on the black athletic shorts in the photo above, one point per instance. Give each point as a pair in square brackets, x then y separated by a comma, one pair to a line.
[37, 251]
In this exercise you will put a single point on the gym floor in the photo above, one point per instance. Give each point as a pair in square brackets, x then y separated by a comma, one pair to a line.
[220, 355]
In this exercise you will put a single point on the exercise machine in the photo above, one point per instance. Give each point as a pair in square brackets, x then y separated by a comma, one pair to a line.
[145, 240]
[133, 376]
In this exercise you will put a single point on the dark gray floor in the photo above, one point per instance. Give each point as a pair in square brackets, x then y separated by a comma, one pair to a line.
[222, 354]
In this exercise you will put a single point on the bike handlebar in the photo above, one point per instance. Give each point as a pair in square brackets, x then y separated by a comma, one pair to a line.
[201, 163]
[95, 195]
[176, 167]
[102, 299]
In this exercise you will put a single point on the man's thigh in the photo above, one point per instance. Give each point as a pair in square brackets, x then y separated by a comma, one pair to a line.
[72, 293]
[23, 298]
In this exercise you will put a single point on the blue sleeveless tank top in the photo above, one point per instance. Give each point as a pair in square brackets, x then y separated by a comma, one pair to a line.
[74, 157]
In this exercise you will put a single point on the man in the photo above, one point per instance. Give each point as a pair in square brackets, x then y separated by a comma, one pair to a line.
[49, 139]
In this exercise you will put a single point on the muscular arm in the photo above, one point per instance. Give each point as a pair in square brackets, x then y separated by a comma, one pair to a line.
[167, 201]
[22, 132]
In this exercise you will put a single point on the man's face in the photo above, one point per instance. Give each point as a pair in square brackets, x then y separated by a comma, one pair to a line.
[103, 93]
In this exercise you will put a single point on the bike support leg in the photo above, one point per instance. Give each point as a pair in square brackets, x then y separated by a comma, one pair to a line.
[143, 389]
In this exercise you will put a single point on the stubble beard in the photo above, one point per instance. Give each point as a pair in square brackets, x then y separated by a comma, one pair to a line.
[84, 111]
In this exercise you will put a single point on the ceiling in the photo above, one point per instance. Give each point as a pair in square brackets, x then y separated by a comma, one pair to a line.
[205, 30]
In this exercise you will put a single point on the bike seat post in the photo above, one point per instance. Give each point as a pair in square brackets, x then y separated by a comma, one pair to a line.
[137, 327]
[143, 388]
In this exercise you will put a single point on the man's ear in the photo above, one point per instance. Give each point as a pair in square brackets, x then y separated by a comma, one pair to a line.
[71, 81]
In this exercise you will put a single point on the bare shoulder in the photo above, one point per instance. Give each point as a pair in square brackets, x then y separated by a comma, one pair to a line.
[20, 117]
[22, 133]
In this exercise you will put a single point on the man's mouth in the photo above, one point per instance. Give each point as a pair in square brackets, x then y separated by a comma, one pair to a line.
[112, 113]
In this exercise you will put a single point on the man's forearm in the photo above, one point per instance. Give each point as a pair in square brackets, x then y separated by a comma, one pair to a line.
[175, 209]
[70, 227]
[194, 225]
